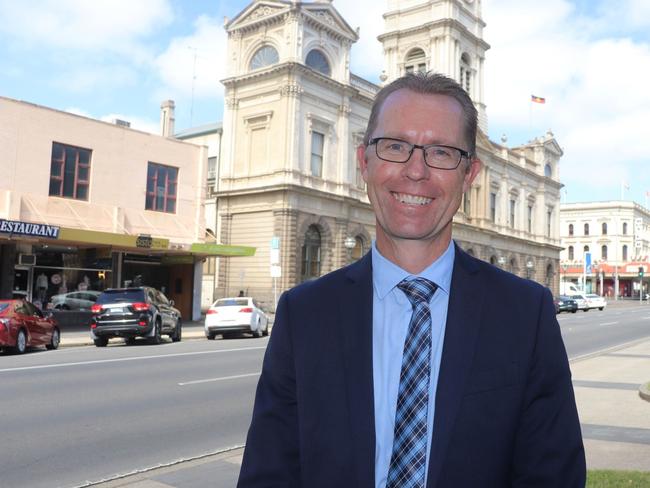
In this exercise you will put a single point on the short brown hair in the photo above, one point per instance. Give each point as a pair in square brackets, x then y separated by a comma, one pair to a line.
[428, 84]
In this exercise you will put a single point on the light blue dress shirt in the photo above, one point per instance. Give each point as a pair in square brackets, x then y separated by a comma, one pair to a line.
[391, 316]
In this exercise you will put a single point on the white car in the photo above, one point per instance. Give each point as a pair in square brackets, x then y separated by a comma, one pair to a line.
[596, 301]
[581, 300]
[232, 316]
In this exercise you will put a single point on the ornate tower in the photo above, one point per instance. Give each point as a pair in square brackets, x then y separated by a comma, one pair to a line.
[445, 36]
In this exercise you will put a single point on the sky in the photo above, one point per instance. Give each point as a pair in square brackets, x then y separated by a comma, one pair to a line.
[589, 59]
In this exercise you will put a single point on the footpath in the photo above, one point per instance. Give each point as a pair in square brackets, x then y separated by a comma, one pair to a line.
[614, 415]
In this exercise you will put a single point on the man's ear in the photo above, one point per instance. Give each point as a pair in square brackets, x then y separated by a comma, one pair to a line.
[362, 161]
[471, 171]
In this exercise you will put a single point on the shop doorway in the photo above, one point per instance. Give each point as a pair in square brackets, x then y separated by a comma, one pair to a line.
[22, 282]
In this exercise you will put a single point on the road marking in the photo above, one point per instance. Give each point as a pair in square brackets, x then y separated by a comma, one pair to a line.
[609, 323]
[136, 358]
[223, 378]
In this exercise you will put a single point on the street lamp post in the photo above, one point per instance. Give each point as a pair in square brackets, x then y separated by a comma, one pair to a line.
[349, 243]
[529, 268]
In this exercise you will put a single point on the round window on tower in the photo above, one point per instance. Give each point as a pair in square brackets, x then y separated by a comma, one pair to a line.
[264, 56]
[317, 60]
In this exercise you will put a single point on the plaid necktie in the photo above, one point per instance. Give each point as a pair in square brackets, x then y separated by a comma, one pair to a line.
[408, 460]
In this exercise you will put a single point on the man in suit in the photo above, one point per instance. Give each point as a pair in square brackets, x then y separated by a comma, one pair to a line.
[418, 365]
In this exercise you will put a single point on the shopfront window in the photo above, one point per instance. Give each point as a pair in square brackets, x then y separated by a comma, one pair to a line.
[69, 279]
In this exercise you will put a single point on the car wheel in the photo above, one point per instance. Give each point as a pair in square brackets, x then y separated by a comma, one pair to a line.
[21, 342]
[55, 340]
[210, 336]
[156, 339]
[176, 335]
[266, 329]
[574, 311]
[601, 308]
[101, 341]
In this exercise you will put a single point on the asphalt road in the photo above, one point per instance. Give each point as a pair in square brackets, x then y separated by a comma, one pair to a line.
[85, 414]
[587, 333]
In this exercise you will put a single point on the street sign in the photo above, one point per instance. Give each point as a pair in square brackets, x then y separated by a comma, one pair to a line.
[641, 270]
[276, 271]
[588, 263]
[275, 242]
[275, 256]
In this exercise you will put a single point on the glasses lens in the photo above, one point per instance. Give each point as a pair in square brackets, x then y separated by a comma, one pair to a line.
[393, 150]
[442, 157]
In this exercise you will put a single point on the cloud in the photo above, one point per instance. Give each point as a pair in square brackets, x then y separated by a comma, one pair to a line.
[592, 76]
[195, 62]
[81, 25]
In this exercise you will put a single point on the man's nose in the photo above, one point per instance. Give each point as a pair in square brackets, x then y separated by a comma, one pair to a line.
[415, 167]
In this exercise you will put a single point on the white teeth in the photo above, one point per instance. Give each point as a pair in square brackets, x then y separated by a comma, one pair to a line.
[412, 199]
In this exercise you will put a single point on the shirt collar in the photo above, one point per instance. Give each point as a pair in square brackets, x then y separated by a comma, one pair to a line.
[386, 274]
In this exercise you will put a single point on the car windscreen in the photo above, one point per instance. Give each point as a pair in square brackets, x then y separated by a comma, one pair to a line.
[232, 302]
[117, 296]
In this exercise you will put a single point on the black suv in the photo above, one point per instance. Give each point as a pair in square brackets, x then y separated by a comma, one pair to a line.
[132, 312]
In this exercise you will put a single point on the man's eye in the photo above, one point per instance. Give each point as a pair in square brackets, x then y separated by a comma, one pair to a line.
[396, 146]
[439, 152]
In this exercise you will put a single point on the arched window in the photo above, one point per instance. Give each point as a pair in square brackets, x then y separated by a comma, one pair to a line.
[625, 252]
[586, 229]
[317, 61]
[415, 61]
[493, 260]
[570, 229]
[465, 72]
[264, 56]
[585, 249]
[624, 228]
[570, 253]
[311, 254]
[603, 253]
[604, 228]
[548, 170]
[513, 266]
[548, 281]
[359, 248]
[470, 251]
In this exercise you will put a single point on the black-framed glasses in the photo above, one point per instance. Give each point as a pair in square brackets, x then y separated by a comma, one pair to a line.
[435, 155]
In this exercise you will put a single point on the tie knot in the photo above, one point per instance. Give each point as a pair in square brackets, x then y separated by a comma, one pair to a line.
[418, 290]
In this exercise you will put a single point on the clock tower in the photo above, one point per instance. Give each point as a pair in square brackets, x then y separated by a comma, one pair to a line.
[445, 36]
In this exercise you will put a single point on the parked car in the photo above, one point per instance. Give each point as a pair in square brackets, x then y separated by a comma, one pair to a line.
[75, 300]
[581, 300]
[22, 324]
[564, 303]
[134, 312]
[230, 316]
[596, 301]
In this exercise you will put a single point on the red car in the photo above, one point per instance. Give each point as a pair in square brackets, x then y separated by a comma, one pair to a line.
[22, 325]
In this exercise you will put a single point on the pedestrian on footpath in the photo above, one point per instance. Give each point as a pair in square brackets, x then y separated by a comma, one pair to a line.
[418, 365]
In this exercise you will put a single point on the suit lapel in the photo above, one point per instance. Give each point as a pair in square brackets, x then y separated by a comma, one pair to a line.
[356, 331]
[463, 322]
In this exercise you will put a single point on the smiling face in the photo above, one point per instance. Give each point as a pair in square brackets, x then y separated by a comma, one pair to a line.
[413, 202]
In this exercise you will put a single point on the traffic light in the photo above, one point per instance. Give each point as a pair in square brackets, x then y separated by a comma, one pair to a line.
[641, 270]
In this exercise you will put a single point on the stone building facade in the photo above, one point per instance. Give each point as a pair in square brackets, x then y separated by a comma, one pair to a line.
[617, 235]
[294, 115]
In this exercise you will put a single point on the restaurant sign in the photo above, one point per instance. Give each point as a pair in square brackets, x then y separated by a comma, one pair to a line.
[28, 229]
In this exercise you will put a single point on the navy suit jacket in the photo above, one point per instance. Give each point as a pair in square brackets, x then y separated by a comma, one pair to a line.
[505, 410]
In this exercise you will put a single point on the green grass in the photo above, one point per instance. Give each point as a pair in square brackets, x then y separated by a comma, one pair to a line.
[615, 479]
